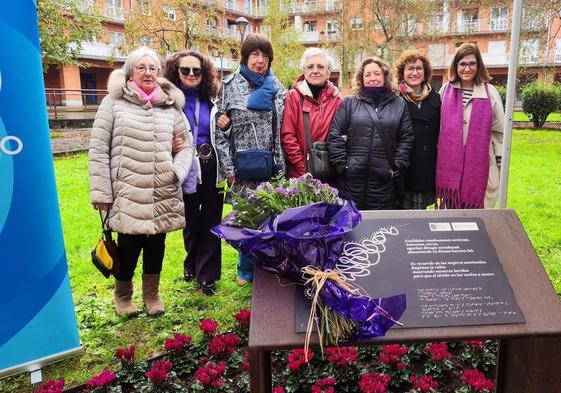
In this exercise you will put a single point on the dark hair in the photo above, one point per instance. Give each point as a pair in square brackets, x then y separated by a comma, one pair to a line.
[255, 41]
[209, 82]
[358, 77]
[464, 50]
[411, 56]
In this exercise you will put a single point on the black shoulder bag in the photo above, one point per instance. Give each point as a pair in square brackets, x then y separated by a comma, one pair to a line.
[317, 155]
[256, 164]
[398, 181]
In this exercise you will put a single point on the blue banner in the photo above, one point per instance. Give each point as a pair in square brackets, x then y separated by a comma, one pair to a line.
[37, 322]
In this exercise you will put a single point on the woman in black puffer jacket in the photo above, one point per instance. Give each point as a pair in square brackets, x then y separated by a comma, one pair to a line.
[371, 123]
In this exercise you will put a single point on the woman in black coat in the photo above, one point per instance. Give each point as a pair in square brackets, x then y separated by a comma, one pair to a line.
[370, 138]
[414, 73]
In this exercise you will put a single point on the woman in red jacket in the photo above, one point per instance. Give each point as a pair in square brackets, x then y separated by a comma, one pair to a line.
[312, 93]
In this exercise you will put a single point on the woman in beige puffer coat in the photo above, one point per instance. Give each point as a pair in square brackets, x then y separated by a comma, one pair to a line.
[134, 175]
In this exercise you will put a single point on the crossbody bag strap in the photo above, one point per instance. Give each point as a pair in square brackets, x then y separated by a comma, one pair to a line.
[307, 130]
[383, 137]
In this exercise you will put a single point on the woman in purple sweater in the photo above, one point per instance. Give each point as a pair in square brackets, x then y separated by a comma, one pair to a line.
[195, 75]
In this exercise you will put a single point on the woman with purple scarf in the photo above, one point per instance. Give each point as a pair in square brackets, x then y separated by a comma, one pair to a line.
[195, 75]
[471, 135]
[370, 138]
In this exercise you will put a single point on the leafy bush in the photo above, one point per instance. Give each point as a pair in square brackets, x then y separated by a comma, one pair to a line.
[502, 92]
[539, 100]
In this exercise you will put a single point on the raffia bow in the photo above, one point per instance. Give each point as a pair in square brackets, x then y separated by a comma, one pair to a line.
[317, 279]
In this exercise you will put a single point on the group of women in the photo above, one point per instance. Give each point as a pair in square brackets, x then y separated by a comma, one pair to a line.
[161, 147]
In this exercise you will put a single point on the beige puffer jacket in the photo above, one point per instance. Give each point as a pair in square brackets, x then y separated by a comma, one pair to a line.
[130, 159]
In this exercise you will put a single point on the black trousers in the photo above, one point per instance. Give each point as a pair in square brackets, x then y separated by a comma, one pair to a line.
[203, 210]
[130, 246]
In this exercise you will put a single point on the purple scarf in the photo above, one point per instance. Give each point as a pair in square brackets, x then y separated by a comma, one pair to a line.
[462, 171]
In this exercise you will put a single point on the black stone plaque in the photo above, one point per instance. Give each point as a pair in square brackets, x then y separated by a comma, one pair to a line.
[448, 269]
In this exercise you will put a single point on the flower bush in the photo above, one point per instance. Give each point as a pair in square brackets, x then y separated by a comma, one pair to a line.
[219, 363]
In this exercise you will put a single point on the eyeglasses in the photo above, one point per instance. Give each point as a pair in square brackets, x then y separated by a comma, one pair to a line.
[187, 70]
[465, 64]
[143, 69]
[411, 70]
[319, 67]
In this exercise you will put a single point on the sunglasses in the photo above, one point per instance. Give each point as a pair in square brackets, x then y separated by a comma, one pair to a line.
[187, 70]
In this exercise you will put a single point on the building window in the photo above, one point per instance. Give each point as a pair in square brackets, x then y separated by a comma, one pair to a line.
[437, 54]
[357, 24]
[379, 25]
[532, 19]
[310, 26]
[146, 41]
[468, 21]
[529, 51]
[499, 18]
[212, 23]
[114, 9]
[144, 6]
[116, 38]
[436, 23]
[409, 26]
[332, 28]
[558, 50]
[169, 13]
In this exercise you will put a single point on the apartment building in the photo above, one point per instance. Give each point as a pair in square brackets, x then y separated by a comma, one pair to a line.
[331, 24]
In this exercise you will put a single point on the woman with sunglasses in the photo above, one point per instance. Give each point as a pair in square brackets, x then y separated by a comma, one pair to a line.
[471, 135]
[251, 108]
[195, 75]
[133, 176]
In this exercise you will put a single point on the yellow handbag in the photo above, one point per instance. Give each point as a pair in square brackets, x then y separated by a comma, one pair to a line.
[105, 255]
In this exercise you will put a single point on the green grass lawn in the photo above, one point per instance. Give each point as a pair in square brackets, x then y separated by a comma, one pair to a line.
[521, 116]
[534, 191]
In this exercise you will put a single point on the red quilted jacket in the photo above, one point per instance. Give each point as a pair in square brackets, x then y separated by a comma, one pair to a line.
[293, 137]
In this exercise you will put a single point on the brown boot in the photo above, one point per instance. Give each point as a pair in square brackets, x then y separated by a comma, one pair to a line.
[152, 301]
[123, 299]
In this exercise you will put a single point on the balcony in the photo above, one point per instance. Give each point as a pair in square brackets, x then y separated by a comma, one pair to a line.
[465, 26]
[311, 7]
[495, 59]
[309, 37]
[97, 51]
[114, 13]
[557, 57]
[227, 64]
[222, 32]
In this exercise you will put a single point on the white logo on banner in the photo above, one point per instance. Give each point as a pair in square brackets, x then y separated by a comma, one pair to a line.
[5, 146]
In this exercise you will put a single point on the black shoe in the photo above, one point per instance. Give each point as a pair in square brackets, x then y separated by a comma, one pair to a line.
[208, 287]
[188, 276]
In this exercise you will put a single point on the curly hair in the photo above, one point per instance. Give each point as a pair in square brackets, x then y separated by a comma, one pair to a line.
[411, 56]
[209, 82]
[358, 81]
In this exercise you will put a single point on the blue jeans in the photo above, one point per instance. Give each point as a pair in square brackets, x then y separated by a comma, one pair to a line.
[245, 268]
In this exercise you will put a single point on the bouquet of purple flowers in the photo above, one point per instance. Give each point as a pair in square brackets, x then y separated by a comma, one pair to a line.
[295, 228]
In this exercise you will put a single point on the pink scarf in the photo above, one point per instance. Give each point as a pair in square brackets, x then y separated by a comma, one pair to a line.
[462, 171]
[152, 97]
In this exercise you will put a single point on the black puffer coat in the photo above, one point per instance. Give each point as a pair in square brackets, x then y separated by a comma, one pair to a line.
[357, 152]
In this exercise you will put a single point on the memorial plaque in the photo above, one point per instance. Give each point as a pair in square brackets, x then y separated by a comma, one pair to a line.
[448, 269]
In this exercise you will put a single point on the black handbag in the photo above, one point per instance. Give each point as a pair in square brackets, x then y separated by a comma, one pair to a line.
[105, 255]
[256, 164]
[253, 164]
[397, 177]
[317, 155]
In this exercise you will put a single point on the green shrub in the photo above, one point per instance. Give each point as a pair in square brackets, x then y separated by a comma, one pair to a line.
[539, 100]
[502, 92]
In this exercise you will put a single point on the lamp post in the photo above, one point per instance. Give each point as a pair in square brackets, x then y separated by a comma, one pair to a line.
[242, 23]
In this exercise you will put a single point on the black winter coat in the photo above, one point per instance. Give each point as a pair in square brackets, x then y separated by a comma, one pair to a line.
[420, 176]
[363, 171]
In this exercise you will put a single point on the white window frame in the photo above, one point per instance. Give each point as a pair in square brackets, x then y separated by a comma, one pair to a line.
[147, 41]
[145, 7]
[529, 51]
[469, 21]
[356, 23]
[169, 13]
[310, 26]
[116, 38]
[558, 50]
[498, 21]
[436, 23]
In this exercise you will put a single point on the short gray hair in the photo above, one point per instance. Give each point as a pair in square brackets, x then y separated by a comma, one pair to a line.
[138, 54]
[311, 52]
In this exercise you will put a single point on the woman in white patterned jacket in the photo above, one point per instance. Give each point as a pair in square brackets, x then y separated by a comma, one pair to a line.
[133, 174]
[251, 104]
